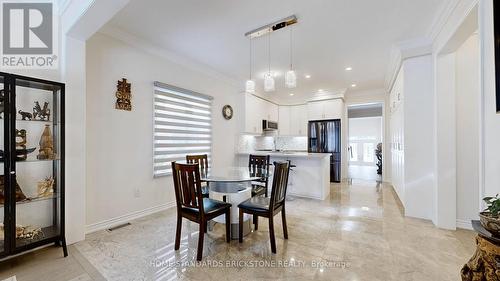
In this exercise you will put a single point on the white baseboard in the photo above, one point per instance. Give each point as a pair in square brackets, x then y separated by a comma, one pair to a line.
[126, 218]
[464, 224]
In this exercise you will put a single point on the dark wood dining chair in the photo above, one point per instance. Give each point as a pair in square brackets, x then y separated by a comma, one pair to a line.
[192, 206]
[259, 163]
[268, 207]
[202, 160]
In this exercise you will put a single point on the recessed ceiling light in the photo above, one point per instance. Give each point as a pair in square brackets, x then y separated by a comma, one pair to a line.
[348, 68]
[292, 94]
[308, 76]
[354, 85]
[320, 91]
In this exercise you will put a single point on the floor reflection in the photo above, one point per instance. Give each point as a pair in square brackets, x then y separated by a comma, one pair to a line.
[359, 233]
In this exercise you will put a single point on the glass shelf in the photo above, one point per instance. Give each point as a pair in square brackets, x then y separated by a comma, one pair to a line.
[32, 160]
[37, 121]
[35, 199]
[38, 160]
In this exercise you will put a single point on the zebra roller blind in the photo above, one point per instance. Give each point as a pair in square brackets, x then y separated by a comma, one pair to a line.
[182, 126]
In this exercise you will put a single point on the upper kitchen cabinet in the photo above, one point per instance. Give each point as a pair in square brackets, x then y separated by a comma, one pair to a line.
[325, 110]
[293, 120]
[284, 120]
[256, 110]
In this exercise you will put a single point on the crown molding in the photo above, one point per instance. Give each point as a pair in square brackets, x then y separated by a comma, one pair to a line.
[443, 16]
[337, 94]
[419, 46]
[148, 47]
[62, 6]
[404, 50]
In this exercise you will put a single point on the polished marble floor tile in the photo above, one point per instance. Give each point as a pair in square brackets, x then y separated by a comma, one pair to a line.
[359, 233]
[49, 264]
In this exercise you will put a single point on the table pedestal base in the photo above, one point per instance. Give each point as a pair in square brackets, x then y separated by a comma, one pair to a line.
[235, 229]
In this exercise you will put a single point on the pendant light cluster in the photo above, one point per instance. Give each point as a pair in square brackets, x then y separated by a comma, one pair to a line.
[290, 76]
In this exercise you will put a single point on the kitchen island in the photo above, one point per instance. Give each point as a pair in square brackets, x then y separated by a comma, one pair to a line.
[309, 179]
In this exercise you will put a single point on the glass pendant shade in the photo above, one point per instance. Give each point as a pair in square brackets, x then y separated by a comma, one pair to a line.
[250, 87]
[269, 83]
[291, 79]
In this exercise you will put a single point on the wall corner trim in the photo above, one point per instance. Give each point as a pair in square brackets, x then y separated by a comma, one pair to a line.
[464, 224]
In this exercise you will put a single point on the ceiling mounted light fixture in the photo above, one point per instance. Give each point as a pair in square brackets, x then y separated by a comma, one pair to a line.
[250, 84]
[291, 77]
[269, 79]
[348, 68]
[268, 28]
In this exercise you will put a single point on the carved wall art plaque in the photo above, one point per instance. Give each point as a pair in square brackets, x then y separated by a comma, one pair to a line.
[123, 95]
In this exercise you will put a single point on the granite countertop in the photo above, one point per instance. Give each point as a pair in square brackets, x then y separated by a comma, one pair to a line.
[288, 154]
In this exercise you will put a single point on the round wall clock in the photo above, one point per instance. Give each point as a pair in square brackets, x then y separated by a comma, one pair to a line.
[227, 112]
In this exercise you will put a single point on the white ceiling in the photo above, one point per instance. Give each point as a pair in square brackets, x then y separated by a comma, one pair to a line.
[330, 36]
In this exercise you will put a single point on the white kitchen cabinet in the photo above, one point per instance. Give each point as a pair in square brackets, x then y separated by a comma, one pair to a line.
[315, 110]
[325, 110]
[298, 120]
[284, 120]
[293, 120]
[256, 110]
[333, 109]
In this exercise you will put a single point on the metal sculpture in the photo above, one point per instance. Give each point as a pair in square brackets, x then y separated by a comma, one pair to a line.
[25, 115]
[43, 114]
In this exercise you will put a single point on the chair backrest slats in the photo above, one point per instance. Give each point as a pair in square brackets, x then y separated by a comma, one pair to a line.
[259, 164]
[187, 185]
[201, 159]
[280, 184]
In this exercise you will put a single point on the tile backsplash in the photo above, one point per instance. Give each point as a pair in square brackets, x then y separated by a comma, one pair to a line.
[249, 143]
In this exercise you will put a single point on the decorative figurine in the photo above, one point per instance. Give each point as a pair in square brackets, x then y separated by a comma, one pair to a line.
[21, 144]
[19, 193]
[46, 187]
[43, 114]
[28, 232]
[123, 95]
[46, 145]
[26, 115]
[2, 102]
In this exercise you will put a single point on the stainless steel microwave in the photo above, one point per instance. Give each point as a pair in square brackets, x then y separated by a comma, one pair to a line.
[269, 125]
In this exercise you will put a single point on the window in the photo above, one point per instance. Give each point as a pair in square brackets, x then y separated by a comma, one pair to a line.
[182, 125]
[368, 152]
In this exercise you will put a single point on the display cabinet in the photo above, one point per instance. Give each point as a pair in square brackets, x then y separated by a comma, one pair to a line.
[32, 160]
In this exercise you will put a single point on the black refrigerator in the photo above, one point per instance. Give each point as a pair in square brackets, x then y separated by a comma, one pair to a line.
[324, 137]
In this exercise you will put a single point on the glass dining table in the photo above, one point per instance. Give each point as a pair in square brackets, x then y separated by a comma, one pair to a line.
[233, 185]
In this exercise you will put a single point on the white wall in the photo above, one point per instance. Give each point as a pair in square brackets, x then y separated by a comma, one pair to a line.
[418, 141]
[445, 189]
[467, 121]
[119, 143]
